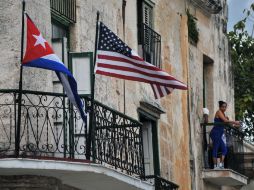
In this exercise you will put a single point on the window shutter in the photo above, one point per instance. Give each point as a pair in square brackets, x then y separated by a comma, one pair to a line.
[82, 69]
[147, 14]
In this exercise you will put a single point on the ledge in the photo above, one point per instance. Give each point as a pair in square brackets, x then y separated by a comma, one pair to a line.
[225, 177]
[80, 175]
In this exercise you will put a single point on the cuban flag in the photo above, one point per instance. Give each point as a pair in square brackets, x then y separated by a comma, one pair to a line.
[40, 54]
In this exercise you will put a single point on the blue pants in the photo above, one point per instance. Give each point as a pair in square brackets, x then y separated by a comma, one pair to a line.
[218, 143]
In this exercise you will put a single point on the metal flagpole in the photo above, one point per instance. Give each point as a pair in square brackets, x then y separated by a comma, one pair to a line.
[17, 130]
[91, 137]
[123, 15]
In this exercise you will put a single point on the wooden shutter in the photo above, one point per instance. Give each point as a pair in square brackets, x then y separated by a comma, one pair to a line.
[147, 14]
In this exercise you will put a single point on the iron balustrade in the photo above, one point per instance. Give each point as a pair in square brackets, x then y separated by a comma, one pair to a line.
[118, 140]
[161, 183]
[52, 128]
[234, 141]
[151, 45]
[65, 9]
[209, 6]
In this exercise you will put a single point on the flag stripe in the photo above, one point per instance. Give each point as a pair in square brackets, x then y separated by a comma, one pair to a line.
[156, 93]
[119, 74]
[141, 76]
[116, 59]
[163, 89]
[119, 59]
[134, 70]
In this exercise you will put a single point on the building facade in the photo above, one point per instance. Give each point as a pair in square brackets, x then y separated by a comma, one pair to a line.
[139, 142]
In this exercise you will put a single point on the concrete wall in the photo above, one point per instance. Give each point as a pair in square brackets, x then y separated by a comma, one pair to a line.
[169, 21]
[10, 32]
[179, 128]
[212, 43]
[27, 182]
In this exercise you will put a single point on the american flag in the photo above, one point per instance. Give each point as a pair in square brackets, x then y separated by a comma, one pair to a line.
[116, 59]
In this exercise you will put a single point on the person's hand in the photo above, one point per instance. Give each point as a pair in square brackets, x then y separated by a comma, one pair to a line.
[237, 123]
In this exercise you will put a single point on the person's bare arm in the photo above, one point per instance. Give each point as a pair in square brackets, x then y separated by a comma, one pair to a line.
[225, 119]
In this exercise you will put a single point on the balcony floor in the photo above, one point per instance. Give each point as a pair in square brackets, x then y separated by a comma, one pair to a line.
[80, 175]
[225, 177]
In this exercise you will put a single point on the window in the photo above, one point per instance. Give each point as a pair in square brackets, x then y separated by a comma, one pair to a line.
[208, 100]
[148, 14]
[64, 10]
[148, 147]
[149, 41]
[81, 65]
[150, 144]
[59, 30]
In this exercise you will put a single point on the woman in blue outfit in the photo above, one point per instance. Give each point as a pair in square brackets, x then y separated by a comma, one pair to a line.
[217, 132]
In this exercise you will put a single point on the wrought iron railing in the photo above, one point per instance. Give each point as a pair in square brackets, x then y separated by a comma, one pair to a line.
[118, 140]
[209, 6]
[65, 9]
[234, 142]
[151, 45]
[52, 128]
[48, 127]
[162, 184]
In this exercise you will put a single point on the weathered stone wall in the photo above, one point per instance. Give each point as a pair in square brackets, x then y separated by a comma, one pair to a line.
[214, 44]
[10, 43]
[170, 22]
[179, 128]
[26, 182]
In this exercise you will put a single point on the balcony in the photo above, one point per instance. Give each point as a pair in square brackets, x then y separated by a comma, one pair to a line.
[150, 42]
[208, 6]
[53, 137]
[160, 183]
[234, 172]
[64, 9]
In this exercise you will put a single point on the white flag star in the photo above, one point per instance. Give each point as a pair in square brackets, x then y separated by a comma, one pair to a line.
[40, 41]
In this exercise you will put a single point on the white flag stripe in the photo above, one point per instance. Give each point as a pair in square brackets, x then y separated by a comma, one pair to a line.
[52, 57]
[115, 54]
[163, 89]
[67, 88]
[116, 59]
[141, 76]
[125, 64]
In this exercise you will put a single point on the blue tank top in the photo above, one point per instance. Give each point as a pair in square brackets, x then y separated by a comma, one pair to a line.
[218, 128]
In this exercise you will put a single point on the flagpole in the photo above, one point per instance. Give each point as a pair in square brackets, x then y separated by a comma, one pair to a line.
[91, 137]
[124, 94]
[17, 130]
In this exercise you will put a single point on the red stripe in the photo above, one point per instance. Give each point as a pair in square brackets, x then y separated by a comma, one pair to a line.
[167, 90]
[155, 95]
[138, 79]
[153, 68]
[159, 90]
[114, 58]
[137, 58]
[123, 68]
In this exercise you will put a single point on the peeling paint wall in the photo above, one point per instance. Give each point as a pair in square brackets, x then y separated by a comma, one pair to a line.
[179, 131]
[212, 43]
